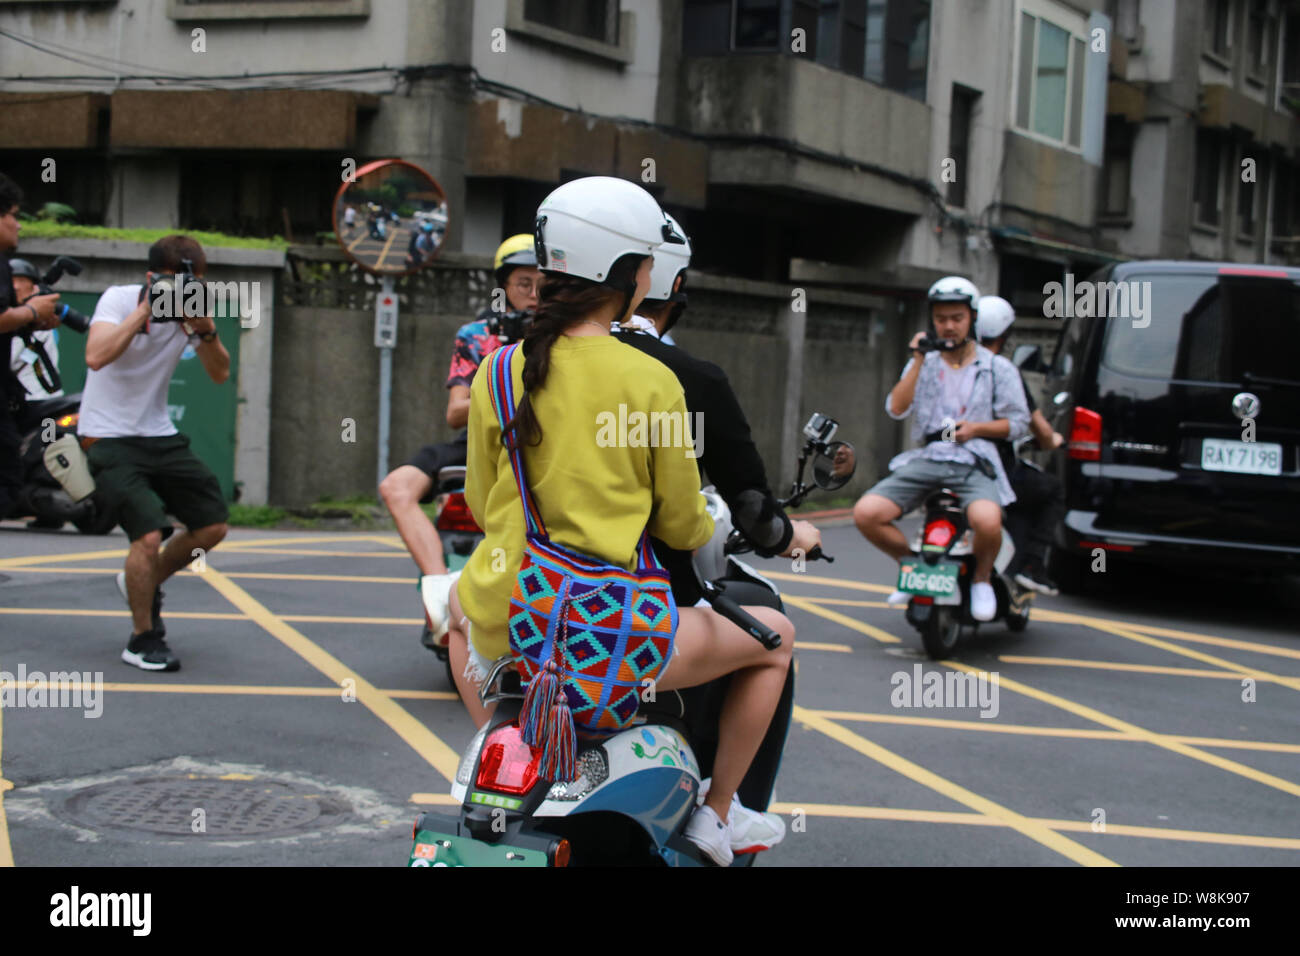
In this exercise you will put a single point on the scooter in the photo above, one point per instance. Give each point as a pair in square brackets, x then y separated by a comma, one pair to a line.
[460, 534]
[939, 578]
[635, 790]
[41, 496]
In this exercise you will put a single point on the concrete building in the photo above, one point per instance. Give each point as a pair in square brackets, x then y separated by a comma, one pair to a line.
[1202, 134]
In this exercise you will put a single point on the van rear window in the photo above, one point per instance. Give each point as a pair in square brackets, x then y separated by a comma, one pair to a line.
[1209, 328]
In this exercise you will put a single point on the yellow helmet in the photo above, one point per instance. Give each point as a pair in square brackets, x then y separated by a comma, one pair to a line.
[518, 250]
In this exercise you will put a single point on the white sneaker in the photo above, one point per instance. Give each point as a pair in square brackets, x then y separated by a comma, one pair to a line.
[711, 835]
[897, 598]
[983, 602]
[751, 830]
[435, 593]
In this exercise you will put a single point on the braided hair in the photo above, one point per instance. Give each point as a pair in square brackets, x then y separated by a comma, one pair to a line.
[563, 302]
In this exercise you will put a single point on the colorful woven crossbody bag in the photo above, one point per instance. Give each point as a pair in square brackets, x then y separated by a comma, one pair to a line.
[588, 636]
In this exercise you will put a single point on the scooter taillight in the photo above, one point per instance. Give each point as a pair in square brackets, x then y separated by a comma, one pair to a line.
[509, 765]
[938, 534]
[456, 516]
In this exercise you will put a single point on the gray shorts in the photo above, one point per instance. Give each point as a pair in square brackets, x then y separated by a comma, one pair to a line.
[909, 485]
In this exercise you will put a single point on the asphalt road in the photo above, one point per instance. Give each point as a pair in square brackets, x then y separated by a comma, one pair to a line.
[1155, 722]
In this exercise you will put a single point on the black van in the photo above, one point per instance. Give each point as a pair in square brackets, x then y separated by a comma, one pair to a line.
[1179, 396]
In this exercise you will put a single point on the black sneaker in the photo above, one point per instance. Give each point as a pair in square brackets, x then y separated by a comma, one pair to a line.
[1036, 579]
[149, 652]
[155, 611]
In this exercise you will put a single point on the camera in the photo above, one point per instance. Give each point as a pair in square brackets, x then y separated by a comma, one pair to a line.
[933, 344]
[509, 326]
[70, 317]
[175, 298]
[820, 428]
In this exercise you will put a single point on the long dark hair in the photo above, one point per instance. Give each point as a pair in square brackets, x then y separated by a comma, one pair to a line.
[562, 302]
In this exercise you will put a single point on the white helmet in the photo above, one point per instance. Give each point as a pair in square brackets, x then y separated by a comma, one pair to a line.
[671, 259]
[994, 317]
[585, 226]
[954, 289]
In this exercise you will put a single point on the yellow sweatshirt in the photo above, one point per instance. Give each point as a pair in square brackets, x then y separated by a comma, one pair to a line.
[595, 497]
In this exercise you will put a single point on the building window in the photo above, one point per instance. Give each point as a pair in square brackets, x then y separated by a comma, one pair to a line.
[959, 127]
[1117, 169]
[1208, 178]
[885, 41]
[1049, 91]
[1260, 29]
[1246, 193]
[1218, 27]
[1286, 202]
[593, 19]
[1127, 17]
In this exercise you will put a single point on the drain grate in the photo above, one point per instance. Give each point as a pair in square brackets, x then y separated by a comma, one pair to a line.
[230, 808]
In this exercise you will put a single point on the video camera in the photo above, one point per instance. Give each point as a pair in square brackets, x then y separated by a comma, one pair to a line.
[177, 297]
[932, 343]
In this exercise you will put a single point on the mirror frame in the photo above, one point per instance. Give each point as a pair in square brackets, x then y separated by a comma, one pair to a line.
[847, 478]
[371, 167]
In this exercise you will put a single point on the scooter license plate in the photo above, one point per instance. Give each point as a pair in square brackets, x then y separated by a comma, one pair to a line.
[938, 581]
[442, 849]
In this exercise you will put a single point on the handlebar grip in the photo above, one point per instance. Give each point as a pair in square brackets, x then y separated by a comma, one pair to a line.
[818, 554]
[744, 620]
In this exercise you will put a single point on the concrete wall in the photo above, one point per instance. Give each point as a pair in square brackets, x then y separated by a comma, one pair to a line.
[325, 370]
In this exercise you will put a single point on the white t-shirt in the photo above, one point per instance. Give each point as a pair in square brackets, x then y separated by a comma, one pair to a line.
[128, 396]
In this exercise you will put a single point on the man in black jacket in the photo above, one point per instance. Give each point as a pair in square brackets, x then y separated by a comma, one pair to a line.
[729, 457]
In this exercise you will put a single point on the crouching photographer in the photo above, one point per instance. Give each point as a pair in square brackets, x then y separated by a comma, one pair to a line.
[36, 313]
[142, 465]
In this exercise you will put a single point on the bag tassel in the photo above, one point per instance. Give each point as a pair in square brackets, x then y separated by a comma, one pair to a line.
[539, 701]
[559, 744]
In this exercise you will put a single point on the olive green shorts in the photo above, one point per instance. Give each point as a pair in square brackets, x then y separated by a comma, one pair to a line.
[145, 479]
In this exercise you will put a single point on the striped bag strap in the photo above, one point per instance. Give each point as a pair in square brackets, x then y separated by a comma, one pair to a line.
[501, 386]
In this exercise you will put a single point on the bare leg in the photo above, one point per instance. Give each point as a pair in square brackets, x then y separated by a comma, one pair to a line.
[875, 516]
[179, 551]
[708, 646]
[142, 570]
[402, 491]
[985, 519]
[458, 648]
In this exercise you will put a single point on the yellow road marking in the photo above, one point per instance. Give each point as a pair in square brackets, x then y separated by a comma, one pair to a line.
[313, 553]
[883, 636]
[6, 563]
[847, 602]
[268, 690]
[1022, 824]
[1083, 733]
[427, 744]
[819, 646]
[1117, 666]
[1076, 826]
[91, 612]
[1062, 617]
[437, 799]
[833, 582]
[1096, 716]
[1240, 669]
[255, 575]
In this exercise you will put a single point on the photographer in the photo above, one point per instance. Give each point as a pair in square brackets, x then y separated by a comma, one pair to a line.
[143, 466]
[37, 313]
[35, 355]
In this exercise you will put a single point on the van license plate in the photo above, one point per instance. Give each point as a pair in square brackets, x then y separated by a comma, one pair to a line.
[1241, 457]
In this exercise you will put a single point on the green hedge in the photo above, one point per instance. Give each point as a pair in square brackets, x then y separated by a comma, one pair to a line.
[58, 230]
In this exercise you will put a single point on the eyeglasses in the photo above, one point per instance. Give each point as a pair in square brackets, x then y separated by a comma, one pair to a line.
[525, 285]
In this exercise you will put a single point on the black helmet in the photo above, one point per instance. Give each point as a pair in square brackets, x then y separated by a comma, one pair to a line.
[21, 267]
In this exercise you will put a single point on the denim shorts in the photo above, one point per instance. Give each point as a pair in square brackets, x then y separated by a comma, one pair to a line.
[909, 485]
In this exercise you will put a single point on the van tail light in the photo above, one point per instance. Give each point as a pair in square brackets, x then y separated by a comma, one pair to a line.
[1085, 435]
[938, 534]
[456, 516]
[508, 764]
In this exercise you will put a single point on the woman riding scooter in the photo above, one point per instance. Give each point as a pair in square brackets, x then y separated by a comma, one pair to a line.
[596, 238]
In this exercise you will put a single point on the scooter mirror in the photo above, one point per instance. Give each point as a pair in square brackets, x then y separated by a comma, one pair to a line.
[834, 467]
[390, 218]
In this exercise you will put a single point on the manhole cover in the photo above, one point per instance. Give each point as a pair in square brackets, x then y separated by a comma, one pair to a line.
[204, 807]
